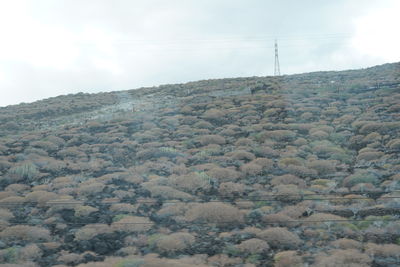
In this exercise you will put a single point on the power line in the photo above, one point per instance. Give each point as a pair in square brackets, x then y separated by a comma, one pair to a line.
[155, 201]
[215, 222]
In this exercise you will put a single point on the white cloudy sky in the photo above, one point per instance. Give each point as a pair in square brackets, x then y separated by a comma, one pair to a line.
[53, 47]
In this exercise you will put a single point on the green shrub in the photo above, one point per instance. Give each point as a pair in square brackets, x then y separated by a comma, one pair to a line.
[24, 171]
[362, 176]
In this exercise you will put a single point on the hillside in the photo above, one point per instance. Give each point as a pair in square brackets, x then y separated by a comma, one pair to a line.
[297, 170]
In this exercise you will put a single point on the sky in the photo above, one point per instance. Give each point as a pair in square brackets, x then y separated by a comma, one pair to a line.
[56, 47]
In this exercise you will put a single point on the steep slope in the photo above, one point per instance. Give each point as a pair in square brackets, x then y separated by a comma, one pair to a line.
[263, 171]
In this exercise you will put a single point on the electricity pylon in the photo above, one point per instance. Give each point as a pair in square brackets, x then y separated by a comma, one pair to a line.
[277, 71]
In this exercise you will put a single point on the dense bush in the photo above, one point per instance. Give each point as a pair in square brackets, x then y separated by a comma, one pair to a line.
[278, 237]
[361, 176]
[219, 213]
[26, 233]
[175, 242]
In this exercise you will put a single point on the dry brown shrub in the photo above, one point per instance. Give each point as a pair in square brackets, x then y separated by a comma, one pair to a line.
[323, 167]
[167, 192]
[244, 142]
[219, 213]
[5, 194]
[266, 164]
[230, 189]
[285, 162]
[30, 252]
[288, 258]
[27, 233]
[69, 258]
[12, 201]
[5, 214]
[40, 197]
[300, 171]
[17, 188]
[281, 135]
[241, 155]
[288, 179]
[176, 210]
[213, 114]
[203, 125]
[278, 237]
[394, 144]
[370, 156]
[84, 210]
[319, 135]
[343, 258]
[345, 243]
[90, 188]
[224, 174]
[382, 250]
[189, 183]
[253, 246]
[211, 139]
[134, 224]
[287, 193]
[251, 169]
[279, 219]
[175, 242]
[91, 230]
[222, 260]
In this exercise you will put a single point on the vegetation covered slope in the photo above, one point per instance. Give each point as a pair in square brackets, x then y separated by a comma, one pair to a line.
[263, 171]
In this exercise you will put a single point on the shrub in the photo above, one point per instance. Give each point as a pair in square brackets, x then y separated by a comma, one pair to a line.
[89, 231]
[266, 164]
[394, 144]
[174, 242]
[213, 115]
[84, 210]
[224, 174]
[323, 167]
[5, 214]
[230, 189]
[340, 257]
[361, 176]
[190, 183]
[281, 135]
[123, 207]
[241, 155]
[167, 192]
[70, 258]
[17, 188]
[26, 233]
[287, 193]
[45, 145]
[288, 258]
[288, 179]
[383, 250]
[345, 243]
[251, 169]
[278, 219]
[253, 246]
[41, 197]
[278, 237]
[134, 224]
[369, 156]
[211, 139]
[90, 188]
[219, 213]
[24, 171]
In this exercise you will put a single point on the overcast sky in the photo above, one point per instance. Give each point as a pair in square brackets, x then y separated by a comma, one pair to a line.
[54, 47]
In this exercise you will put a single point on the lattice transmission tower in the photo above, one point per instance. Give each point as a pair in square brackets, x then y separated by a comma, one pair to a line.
[277, 71]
